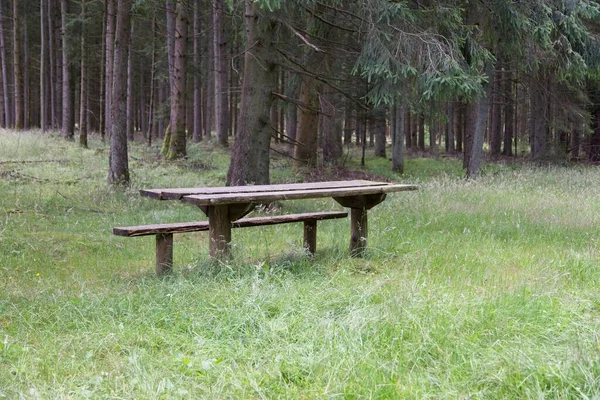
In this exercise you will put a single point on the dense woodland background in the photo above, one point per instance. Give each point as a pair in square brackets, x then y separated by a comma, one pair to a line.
[306, 78]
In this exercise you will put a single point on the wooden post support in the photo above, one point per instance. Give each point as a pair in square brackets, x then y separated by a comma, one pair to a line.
[359, 232]
[219, 227]
[310, 236]
[164, 253]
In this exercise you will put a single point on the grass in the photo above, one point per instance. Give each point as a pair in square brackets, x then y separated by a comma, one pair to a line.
[484, 289]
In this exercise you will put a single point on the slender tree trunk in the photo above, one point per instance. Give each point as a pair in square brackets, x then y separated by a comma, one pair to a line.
[43, 67]
[305, 153]
[83, 85]
[177, 143]
[331, 127]
[17, 67]
[379, 129]
[108, 80]
[118, 159]
[398, 134]
[539, 118]
[26, 81]
[480, 126]
[220, 61]
[8, 118]
[509, 117]
[496, 126]
[68, 127]
[197, 133]
[421, 123]
[151, 107]
[250, 154]
[102, 112]
[450, 146]
[408, 129]
[130, 110]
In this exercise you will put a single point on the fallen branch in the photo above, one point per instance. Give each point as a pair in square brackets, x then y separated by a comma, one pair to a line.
[32, 161]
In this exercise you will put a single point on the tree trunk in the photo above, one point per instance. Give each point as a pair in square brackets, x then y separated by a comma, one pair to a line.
[26, 82]
[450, 146]
[108, 82]
[68, 127]
[380, 137]
[479, 126]
[118, 159]
[220, 62]
[305, 153]
[539, 119]
[421, 129]
[152, 106]
[331, 127]
[83, 86]
[250, 155]
[8, 118]
[17, 67]
[496, 128]
[398, 139]
[43, 67]
[197, 133]
[177, 142]
[130, 117]
[509, 117]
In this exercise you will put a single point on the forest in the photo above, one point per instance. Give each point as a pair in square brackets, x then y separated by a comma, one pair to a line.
[481, 284]
[307, 79]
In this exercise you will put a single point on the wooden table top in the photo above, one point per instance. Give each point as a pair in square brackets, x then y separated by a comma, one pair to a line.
[207, 196]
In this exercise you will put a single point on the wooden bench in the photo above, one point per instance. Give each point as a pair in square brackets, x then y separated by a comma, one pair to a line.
[164, 232]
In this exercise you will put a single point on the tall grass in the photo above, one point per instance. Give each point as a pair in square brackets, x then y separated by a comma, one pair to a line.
[485, 289]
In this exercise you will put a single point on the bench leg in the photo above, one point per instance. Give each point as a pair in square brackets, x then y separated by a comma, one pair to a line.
[310, 236]
[358, 235]
[164, 253]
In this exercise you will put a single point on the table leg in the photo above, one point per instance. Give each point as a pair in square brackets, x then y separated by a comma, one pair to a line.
[220, 231]
[310, 236]
[358, 231]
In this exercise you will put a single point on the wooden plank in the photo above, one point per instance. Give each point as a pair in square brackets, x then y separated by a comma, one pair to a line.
[183, 227]
[233, 198]
[219, 228]
[310, 236]
[178, 193]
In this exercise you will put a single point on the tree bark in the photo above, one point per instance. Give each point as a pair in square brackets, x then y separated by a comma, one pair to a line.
[177, 142]
[5, 80]
[398, 135]
[43, 66]
[83, 86]
[197, 133]
[539, 118]
[331, 127]
[68, 127]
[496, 128]
[250, 155]
[108, 80]
[17, 67]
[379, 128]
[450, 145]
[509, 116]
[305, 153]
[221, 87]
[130, 111]
[421, 132]
[118, 159]
[479, 127]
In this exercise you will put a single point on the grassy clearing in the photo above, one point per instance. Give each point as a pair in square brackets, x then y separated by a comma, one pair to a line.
[485, 289]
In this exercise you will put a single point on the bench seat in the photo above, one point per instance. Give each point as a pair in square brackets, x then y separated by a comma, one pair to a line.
[164, 232]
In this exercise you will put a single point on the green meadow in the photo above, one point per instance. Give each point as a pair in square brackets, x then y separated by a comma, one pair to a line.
[479, 289]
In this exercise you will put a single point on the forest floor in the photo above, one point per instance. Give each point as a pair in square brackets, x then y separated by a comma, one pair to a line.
[481, 289]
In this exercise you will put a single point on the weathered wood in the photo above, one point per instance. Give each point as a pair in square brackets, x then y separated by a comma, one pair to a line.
[366, 201]
[164, 253]
[310, 236]
[186, 227]
[178, 193]
[359, 231]
[233, 198]
[219, 228]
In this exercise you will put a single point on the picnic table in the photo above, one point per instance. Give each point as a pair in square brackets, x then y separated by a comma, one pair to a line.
[224, 205]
